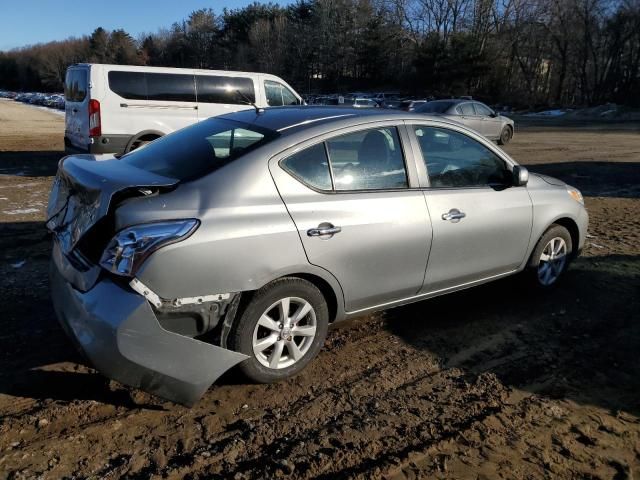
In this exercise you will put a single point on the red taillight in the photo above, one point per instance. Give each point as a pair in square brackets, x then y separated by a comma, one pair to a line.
[95, 129]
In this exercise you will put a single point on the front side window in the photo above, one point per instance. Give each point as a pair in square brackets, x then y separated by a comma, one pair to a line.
[278, 95]
[199, 149]
[368, 159]
[454, 160]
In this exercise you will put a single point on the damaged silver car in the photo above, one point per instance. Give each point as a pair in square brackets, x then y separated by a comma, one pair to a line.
[240, 239]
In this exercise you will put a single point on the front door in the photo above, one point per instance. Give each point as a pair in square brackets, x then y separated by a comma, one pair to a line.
[481, 223]
[350, 200]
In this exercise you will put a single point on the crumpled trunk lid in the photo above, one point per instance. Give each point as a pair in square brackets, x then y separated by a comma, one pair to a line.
[84, 190]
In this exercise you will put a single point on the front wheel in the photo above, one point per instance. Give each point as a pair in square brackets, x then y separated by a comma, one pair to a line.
[505, 135]
[281, 329]
[550, 258]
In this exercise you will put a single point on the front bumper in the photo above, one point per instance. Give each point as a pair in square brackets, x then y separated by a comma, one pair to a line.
[118, 331]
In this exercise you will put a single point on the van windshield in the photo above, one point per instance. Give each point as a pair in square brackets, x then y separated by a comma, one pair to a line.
[199, 149]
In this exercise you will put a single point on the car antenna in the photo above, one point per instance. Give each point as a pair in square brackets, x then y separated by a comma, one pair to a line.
[259, 110]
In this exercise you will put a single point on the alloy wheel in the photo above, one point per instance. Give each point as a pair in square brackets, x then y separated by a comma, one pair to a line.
[284, 332]
[552, 261]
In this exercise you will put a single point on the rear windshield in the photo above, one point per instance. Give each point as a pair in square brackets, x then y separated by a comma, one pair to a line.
[75, 85]
[434, 107]
[199, 149]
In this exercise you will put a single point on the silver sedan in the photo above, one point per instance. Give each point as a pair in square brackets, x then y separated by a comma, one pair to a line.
[240, 239]
[475, 115]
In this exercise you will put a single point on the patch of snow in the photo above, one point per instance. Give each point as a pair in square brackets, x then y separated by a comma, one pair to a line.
[19, 264]
[21, 211]
[547, 113]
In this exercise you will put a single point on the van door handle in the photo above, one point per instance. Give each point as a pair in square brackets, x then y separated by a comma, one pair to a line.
[454, 215]
[74, 110]
[323, 229]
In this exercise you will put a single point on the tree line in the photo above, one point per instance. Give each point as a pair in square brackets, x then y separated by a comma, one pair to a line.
[518, 52]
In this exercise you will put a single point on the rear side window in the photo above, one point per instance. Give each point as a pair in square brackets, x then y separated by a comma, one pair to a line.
[75, 86]
[129, 85]
[199, 149]
[310, 166]
[170, 87]
[278, 95]
[164, 87]
[365, 160]
[230, 90]
[466, 109]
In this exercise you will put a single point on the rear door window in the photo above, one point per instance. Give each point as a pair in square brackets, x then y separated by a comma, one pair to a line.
[170, 87]
[368, 160]
[129, 85]
[75, 87]
[229, 90]
[310, 166]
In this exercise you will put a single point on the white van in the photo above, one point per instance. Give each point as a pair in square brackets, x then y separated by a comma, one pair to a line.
[117, 108]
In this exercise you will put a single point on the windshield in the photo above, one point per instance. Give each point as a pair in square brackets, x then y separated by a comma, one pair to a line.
[199, 149]
[434, 107]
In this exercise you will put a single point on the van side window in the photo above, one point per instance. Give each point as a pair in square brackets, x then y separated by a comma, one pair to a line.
[278, 95]
[170, 87]
[129, 85]
[217, 89]
[310, 166]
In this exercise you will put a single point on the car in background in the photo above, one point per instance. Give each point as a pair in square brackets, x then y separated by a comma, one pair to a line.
[473, 114]
[364, 103]
[411, 105]
[239, 239]
[390, 104]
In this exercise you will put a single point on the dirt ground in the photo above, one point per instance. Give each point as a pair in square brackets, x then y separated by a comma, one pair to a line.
[495, 382]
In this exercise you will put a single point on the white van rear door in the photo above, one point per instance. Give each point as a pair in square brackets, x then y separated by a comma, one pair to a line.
[77, 107]
[220, 94]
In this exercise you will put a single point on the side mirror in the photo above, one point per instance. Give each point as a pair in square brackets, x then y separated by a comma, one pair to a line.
[520, 176]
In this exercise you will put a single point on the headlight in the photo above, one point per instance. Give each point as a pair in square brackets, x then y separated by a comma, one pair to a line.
[131, 246]
[575, 194]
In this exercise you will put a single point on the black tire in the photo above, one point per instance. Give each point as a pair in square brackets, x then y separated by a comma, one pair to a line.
[240, 337]
[533, 268]
[506, 135]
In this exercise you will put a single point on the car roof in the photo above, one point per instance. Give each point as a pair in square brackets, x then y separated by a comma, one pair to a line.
[295, 118]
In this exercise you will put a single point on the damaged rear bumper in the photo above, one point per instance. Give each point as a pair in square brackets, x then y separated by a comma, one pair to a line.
[117, 330]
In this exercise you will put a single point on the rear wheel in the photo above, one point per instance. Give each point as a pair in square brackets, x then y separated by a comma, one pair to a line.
[281, 329]
[505, 135]
[551, 257]
[141, 142]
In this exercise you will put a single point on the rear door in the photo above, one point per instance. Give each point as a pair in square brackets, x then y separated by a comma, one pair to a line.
[351, 199]
[76, 90]
[481, 223]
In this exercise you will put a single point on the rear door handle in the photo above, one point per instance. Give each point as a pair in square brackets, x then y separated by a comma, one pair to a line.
[323, 229]
[454, 215]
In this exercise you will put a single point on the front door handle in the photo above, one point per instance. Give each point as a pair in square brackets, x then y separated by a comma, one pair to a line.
[323, 229]
[454, 215]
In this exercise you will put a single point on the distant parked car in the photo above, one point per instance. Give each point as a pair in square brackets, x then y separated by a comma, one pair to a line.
[411, 105]
[364, 103]
[390, 104]
[475, 115]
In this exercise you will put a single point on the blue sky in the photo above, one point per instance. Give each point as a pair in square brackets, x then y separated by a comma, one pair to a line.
[25, 22]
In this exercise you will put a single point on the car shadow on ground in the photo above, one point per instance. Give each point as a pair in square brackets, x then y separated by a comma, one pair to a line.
[579, 341]
[596, 179]
[43, 163]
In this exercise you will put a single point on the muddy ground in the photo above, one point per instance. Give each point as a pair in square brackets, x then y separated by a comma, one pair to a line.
[496, 382]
